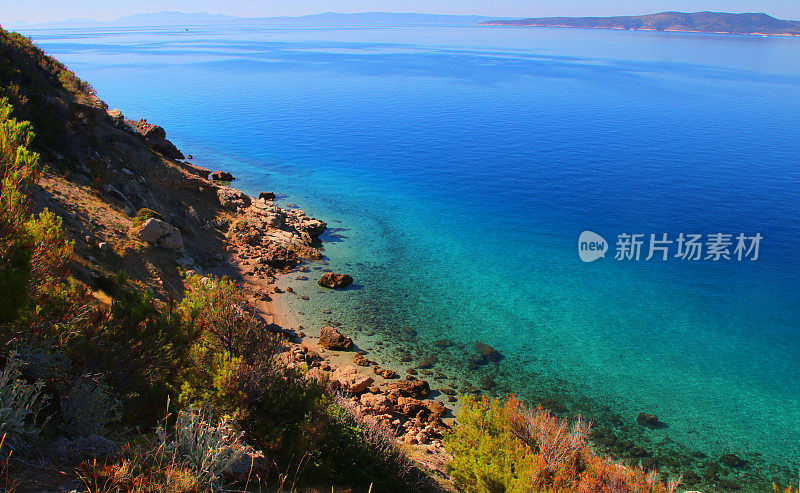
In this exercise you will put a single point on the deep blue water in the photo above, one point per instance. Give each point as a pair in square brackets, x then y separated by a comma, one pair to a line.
[457, 167]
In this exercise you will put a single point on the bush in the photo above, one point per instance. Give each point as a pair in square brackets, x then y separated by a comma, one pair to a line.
[486, 455]
[144, 351]
[223, 311]
[89, 408]
[505, 447]
[20, 403]
[208, 449]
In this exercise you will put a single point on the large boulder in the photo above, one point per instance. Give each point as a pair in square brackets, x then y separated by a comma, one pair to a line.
[161, 233]
[86, 448]
[335, 281]
[330, 338]
[418, 389]
[349, 379]
[266, 195]
[232, 199]
[222, 176]
[409, 406]
[375, 403]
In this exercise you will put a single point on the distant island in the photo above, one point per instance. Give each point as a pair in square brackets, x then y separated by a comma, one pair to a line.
[697, 22]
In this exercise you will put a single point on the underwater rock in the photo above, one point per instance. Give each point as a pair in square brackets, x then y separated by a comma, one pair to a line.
[487, 353]
[733, 460]
[649, 421]
[335, 281]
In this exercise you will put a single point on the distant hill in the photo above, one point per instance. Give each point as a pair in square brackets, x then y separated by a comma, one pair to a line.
[702, 22]
[185, 19]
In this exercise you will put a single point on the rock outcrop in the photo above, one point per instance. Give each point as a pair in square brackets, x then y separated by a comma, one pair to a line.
[232, 199]
[117, 118]
[278, 256]
[156, 137]
[195, 170]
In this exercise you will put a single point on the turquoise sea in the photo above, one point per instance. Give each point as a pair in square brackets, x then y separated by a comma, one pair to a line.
[456, 168]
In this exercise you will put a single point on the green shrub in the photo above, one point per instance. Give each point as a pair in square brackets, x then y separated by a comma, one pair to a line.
[224, 312]
[486, 456]
[19, 169]
[506, 447]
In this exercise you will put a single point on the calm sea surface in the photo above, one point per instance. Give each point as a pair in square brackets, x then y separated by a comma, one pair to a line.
[456, 168]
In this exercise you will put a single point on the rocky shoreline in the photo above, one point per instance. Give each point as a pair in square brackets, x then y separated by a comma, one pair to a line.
[204, 226]
[270, 244]
[266, 243]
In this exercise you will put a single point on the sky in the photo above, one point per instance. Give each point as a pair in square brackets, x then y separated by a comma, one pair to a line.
[12, 11]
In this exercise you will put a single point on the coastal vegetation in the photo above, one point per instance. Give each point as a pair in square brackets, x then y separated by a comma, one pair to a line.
[504, 446]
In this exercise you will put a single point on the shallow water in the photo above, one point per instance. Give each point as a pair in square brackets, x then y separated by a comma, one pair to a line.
[456, 168]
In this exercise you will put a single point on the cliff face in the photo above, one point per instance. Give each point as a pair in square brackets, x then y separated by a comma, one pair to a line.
[708, 22]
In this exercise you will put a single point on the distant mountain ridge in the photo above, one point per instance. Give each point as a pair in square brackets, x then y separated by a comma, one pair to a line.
[189, 19]
[702, 22]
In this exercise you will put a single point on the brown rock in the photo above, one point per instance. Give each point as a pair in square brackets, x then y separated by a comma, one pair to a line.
[349, 379]
[409, 406]
[335, 281]
[330, 338]
[360, 360]
[418, 389]
[385, 372]
[279, 257]
[222, 176]
[267, 195]
[436, 408]
[376, 403]
[232, 199]
[487, 353]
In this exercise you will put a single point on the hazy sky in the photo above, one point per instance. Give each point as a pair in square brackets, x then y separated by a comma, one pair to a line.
[44, 10]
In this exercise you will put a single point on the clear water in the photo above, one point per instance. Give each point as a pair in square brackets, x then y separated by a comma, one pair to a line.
[457, 166]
